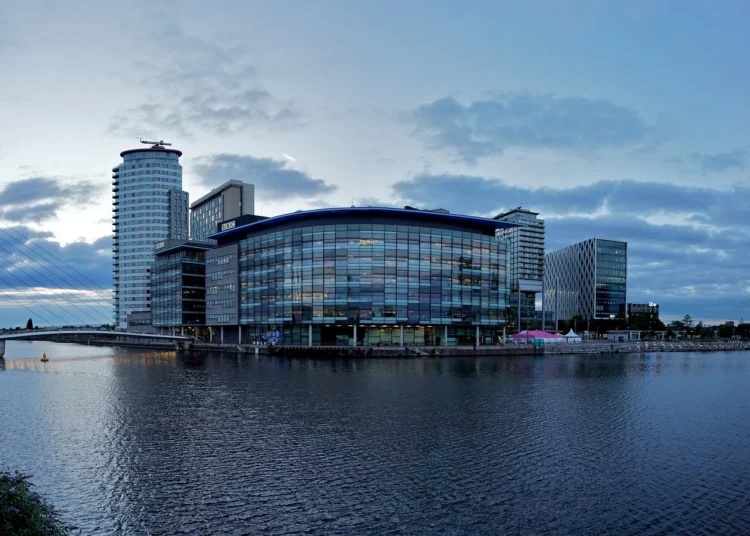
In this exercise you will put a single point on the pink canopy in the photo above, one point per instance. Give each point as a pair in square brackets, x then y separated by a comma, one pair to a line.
[536, 334]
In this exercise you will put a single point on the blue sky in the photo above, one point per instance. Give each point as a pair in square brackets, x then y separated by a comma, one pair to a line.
[617, 120]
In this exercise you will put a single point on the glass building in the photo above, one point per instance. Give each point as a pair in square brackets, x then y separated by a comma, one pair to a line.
[364, 276]
[178, 279]
[587, 279]
[526, 266]
[148, 206]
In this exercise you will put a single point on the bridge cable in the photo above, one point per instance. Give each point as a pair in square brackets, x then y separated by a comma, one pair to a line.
[32, 299]
[58, 259]
[83, 302]
[40, 285]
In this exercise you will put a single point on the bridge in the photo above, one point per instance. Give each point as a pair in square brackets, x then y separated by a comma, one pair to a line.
[38, 334]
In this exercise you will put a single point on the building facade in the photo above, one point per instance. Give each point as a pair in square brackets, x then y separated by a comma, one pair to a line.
[230, 200]
[178, 280]
[644, 315]
[148, 206]
[364, 276]
[526, 266]
[587, 279]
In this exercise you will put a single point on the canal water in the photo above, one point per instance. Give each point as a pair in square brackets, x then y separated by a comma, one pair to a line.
[131, 442]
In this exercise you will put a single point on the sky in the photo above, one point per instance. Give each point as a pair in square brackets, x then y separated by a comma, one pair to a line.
[626, 121]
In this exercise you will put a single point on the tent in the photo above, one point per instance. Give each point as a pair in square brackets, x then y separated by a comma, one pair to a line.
[536, 335]
[572, 337]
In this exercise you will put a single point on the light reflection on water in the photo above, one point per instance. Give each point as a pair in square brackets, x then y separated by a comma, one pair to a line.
[136, 442]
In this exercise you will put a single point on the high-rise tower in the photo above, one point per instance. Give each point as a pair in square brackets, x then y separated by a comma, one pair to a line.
[149, 206]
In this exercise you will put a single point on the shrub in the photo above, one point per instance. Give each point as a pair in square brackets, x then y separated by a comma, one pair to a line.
[23, 512]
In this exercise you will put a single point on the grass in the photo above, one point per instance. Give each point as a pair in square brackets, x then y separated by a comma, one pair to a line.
[24, 513]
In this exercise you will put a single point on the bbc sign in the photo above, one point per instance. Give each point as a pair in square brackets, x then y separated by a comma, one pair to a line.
[228, 225]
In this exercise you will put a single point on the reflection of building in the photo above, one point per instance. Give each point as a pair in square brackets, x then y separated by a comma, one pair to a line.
[228, 201]
[149, 205]
[587, 279]
[526, 264]
[178, 281]
[356, 275]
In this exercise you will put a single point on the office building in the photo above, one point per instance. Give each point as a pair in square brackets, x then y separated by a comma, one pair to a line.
[587, 279]
[642, 315]
[178, 282]
[364, 276]
[526, 266]
[230, 200]
[148, 206]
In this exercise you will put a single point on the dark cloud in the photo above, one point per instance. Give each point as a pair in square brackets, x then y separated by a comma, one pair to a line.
[52, 280]
[274, 181]
[701, 268]
[479, 195]
[202, 86]
[39, 199]
[736, 159]
[487, 127]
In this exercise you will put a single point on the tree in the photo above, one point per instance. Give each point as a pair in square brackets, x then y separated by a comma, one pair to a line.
[687, 320]
[743, 330]
[29, 324]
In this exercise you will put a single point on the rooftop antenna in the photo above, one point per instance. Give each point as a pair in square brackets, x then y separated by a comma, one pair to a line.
[160, 143]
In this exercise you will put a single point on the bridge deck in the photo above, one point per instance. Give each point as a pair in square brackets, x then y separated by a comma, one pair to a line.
[37, 334]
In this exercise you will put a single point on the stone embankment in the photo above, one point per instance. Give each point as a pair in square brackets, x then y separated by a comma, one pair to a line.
[586, 347]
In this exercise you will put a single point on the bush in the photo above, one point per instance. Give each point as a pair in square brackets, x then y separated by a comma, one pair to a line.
[25, 513]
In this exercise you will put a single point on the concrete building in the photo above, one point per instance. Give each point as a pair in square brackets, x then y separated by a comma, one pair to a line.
[526, 265]
[587, 279]
[148, 206]
[230, 200]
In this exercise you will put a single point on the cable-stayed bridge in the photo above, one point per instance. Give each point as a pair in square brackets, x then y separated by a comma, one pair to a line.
[47, 284]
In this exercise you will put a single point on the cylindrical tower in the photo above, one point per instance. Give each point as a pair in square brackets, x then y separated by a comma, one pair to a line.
[145, 186]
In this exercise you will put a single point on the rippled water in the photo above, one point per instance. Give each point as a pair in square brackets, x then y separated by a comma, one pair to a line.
[126, 442]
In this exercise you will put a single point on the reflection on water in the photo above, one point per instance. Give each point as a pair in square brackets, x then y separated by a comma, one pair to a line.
[133, 442]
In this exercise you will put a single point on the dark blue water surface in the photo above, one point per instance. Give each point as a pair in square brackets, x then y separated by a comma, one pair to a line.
[127, 442]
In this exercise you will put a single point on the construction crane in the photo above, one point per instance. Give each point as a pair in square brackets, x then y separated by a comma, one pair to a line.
[159, 143]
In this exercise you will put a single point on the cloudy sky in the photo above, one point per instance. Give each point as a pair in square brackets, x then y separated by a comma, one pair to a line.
[626, 121]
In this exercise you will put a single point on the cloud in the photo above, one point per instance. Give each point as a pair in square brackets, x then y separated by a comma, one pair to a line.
[60, 284]
[487, 127]
[479, 195]
[39, 199]
[272, 178]
[736, 159]
[687, 246]
[202, 86]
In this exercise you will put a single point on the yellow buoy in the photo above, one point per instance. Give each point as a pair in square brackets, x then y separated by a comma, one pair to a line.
[44, 358]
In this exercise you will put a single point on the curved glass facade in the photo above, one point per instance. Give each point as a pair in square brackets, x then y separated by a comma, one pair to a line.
[375, 276]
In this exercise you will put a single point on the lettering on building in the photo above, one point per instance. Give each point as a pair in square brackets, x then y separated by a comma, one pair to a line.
[228, 225]
[159, 245]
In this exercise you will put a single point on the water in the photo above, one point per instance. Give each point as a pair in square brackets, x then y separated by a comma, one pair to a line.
[127, 442]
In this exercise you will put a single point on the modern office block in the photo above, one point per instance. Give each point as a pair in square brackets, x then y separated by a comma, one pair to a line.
[148, 206]
[587, 279]
[359, 276]
[525, 266]
[230, 200]
[178, 281]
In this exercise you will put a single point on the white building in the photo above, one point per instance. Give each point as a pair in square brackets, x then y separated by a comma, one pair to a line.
[228, 201]
[149, 206]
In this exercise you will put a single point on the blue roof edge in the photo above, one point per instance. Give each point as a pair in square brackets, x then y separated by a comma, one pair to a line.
[301, 214]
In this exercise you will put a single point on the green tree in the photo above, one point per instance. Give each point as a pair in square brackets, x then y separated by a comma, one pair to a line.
[687, 321]
[29, 324]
